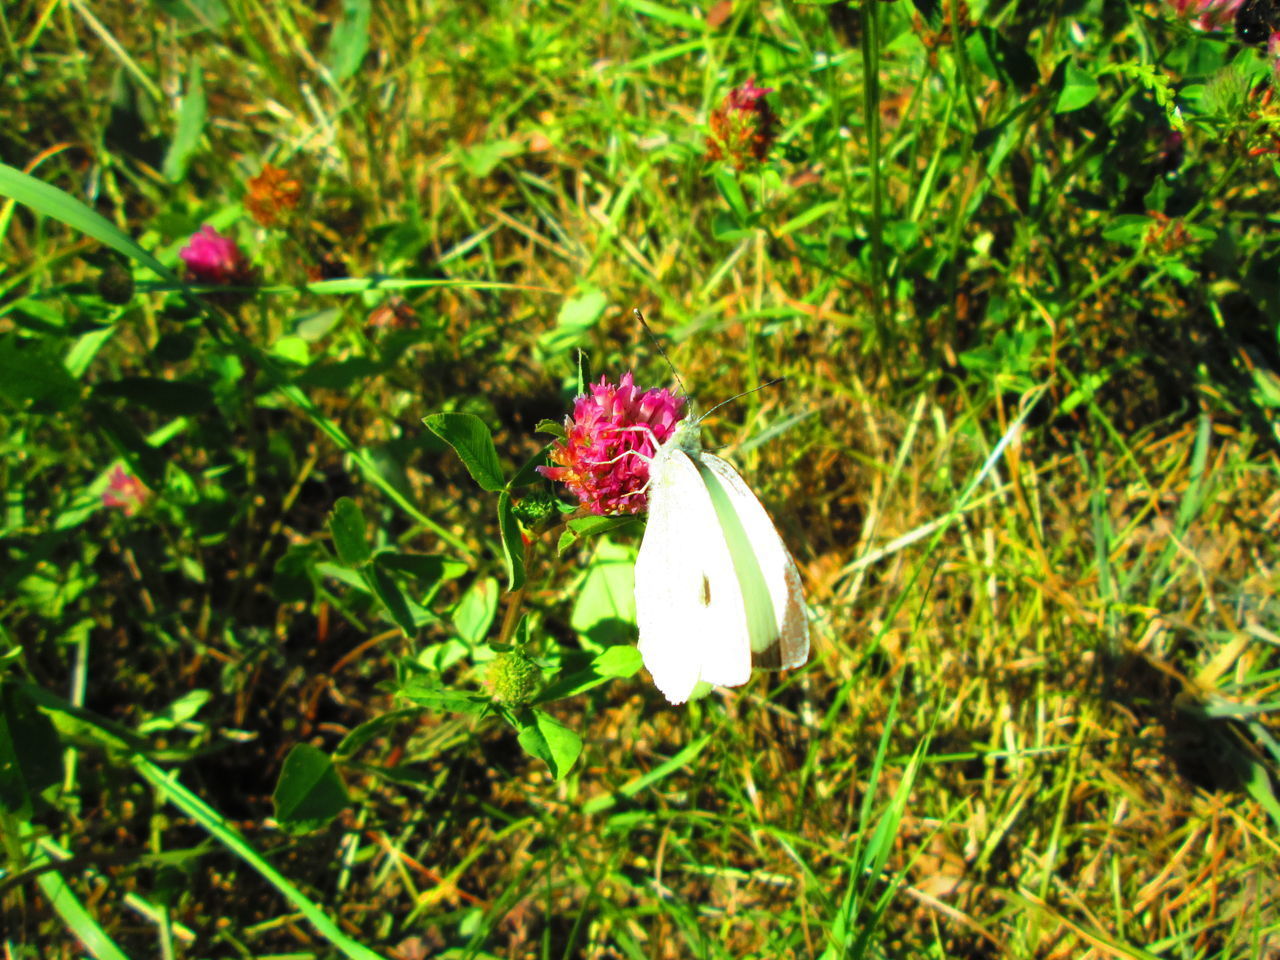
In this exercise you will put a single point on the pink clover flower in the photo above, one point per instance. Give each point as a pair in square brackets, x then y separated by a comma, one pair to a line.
[610, 437]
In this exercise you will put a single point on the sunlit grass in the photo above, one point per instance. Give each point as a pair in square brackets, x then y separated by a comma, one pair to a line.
[1024, 455]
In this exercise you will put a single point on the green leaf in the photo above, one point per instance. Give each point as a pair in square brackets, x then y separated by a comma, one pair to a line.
[293, 350]
[180, 711]
[86, 347]
[1181, 272]
[349, 41]
[546, 738]
[347, 527]
[173, 398]
[553, 427]
[190, 126]
[1079, 89]
[370, 729]
[339, 375]
[430, 570]
[36, 316]
[315, 325]
[620, 661]
[726, 229]
[30, 753]
[604, 610]
[474, 613]
[423, 691]
[309, 793]
[293, 577]
[472, 441]
[670, 14]
[512, 543]
[392, 599]
[209, 14]
[583, 527]
[727, 183]
[1128, 228]
[32, 374]
[577, 316]
[345, 575]
[482, 159]
[48, 200]
[993, 54]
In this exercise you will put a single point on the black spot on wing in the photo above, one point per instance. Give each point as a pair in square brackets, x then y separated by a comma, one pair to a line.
[769, 658]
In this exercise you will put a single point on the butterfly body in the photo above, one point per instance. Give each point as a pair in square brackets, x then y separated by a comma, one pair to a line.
[716, 590]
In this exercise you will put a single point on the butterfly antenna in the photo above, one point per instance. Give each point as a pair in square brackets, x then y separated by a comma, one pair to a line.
[654, 337]
[739, 396]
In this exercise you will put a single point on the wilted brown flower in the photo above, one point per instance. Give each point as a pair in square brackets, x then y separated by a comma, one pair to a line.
[395, 313]
[1167, 235]
[743, 127]
[272, 195]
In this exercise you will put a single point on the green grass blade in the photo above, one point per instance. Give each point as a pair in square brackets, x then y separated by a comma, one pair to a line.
[59, 205]
[213, 822]
[633, 787]
[112, 735]
[73, 913]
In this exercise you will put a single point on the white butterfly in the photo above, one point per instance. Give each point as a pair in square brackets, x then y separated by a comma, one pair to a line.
[716, 590]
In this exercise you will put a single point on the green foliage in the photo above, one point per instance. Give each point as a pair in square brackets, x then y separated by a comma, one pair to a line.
[512, 546]
[473, 443]
[577, 317]
[309, 793]
[191, 120]
[349, 40]
[302, 653]
[29, 756]
[544, 737]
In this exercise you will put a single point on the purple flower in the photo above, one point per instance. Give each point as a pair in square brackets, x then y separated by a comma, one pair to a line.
[124, 492]
[609, 440]
[743, 127]
[1208, 14]
[212, 258]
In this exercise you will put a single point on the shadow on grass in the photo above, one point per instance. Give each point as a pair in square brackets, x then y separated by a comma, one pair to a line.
[1216, 754]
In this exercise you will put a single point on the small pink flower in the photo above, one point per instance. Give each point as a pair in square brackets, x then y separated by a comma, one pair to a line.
[124, 491]
[743, 127]
[212, 258]
[609, 440]
[1208, 14]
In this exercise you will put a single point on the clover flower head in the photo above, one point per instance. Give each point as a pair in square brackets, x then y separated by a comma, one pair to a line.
[212, 258]
[514, 678]
[1208, 14]
[609, 439]
[272, 195]
[743, 127]
[124, 492]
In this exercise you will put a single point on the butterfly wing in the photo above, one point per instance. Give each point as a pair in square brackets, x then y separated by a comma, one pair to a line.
[778, 623]
[689, 603]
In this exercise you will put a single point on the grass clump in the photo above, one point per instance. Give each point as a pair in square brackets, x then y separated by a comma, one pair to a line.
[1017, 270]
